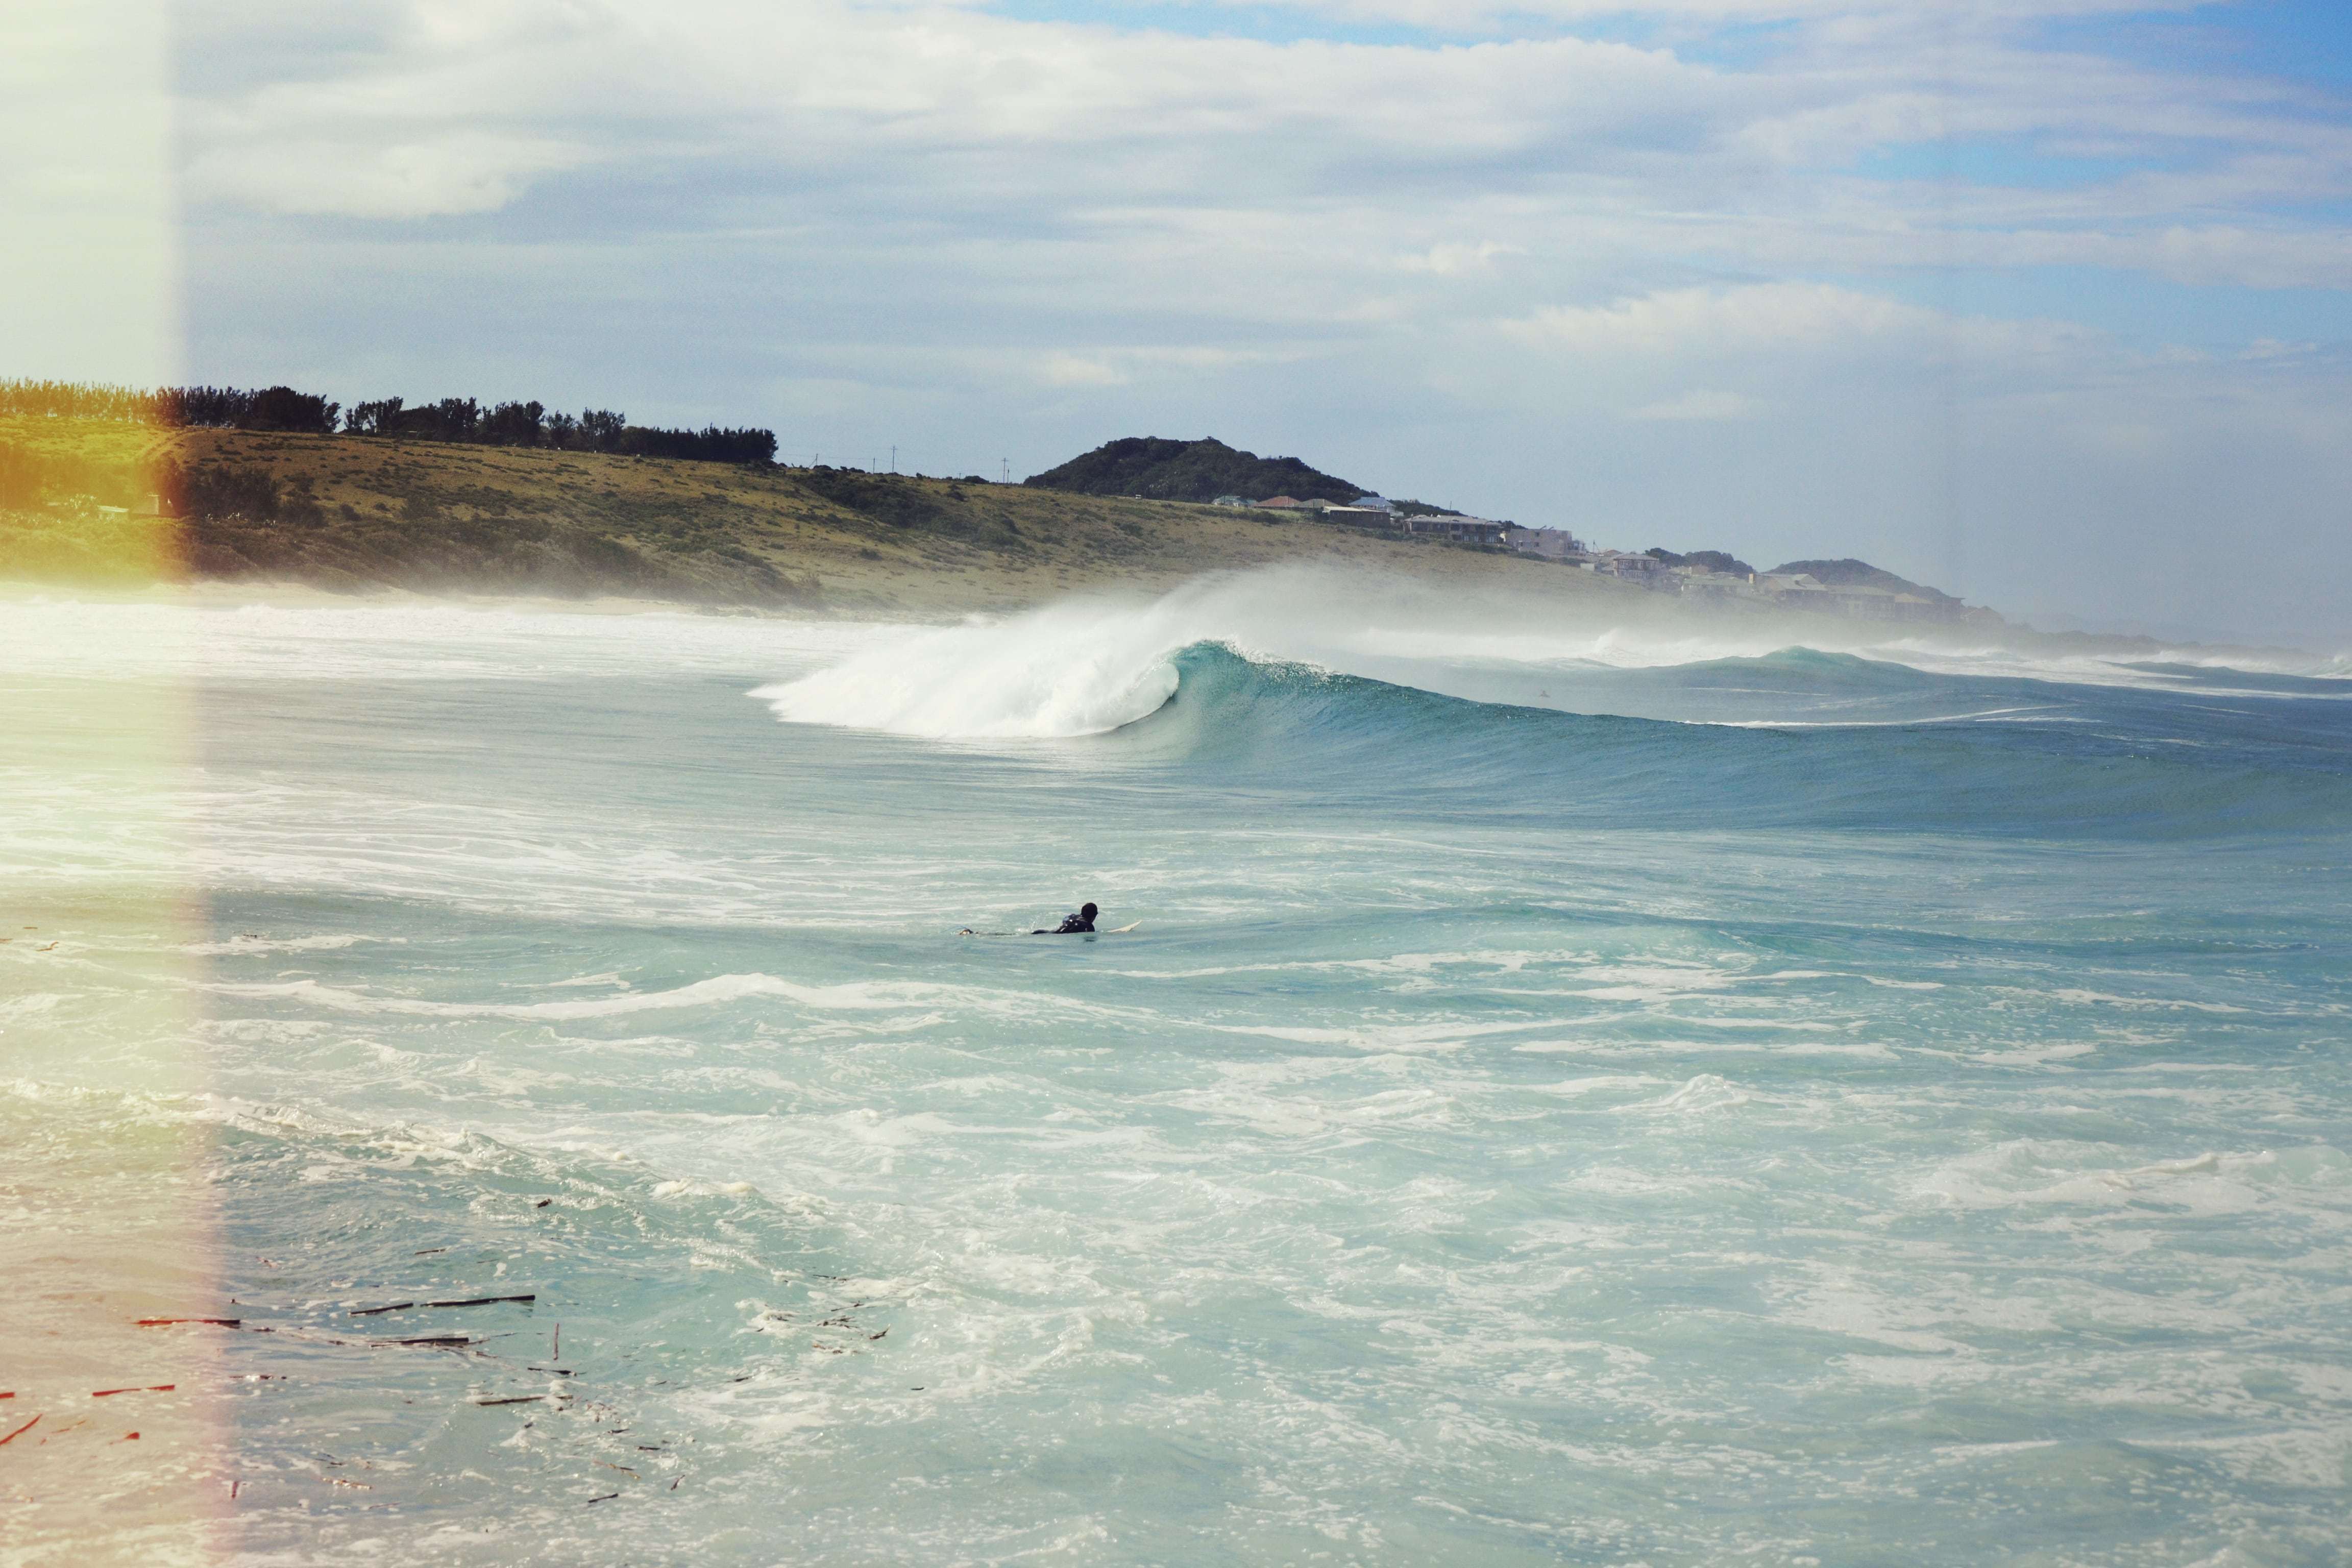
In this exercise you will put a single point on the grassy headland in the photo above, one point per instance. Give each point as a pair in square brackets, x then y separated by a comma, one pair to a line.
[359, 512]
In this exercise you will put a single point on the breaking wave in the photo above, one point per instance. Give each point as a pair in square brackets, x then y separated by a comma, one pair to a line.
[1790, 735]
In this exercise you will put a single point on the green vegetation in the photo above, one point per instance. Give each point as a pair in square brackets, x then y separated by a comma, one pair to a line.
[1160, 469]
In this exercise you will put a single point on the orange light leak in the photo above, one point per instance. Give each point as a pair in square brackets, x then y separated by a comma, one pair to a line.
[117, 1443]
[92, 486]
[106, 1144]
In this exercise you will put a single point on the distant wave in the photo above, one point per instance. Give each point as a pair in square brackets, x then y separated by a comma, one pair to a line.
[2121, 764]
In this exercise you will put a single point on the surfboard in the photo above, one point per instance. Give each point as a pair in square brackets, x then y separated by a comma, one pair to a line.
[1114, 931]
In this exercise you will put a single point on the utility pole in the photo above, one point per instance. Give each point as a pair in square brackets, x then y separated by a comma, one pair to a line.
[893, 457]
[1005, 475]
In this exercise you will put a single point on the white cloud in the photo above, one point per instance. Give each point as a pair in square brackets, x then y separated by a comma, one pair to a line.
[1740, 320]
[441, 108]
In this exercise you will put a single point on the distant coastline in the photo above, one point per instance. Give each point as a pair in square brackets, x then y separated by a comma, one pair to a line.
[120, 502]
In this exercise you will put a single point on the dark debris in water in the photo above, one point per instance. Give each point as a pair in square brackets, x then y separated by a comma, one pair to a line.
[467, 1301]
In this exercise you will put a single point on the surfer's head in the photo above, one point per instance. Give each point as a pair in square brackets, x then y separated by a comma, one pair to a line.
[1088, 910]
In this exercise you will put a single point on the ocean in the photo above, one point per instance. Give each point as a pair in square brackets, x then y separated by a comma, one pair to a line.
[1677, 1093]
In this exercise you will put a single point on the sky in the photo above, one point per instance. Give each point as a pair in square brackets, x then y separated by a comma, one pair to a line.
[2043, 302]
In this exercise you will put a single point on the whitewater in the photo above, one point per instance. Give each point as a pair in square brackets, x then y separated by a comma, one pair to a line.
[1659, 1092]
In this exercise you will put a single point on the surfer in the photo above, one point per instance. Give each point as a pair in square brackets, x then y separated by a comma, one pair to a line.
[1079, 924]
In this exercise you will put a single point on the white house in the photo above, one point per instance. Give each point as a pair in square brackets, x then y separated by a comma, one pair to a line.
[1646, 570]
[1550, 543]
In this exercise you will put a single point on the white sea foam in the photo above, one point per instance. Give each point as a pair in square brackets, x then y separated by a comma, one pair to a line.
[251, 943]
[717, 989]
[2039, 1172]
[1708, 1091]
[395, 639]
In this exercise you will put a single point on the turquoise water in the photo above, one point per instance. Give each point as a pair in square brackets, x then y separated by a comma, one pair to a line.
[1577, 1095]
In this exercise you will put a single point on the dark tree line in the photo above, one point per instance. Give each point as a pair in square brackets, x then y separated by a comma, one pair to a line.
[450, 419]
[531, 425]
[232, 407]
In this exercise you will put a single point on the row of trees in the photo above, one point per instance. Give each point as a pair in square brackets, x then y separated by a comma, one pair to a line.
[233, 407]
[449, 419]
[533, 424]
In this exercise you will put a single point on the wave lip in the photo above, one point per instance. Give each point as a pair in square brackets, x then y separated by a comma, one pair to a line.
[1070, 671]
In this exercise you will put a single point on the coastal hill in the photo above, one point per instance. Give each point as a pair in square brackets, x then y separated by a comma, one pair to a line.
[363, 511]
[1156, 469]
[1852, 573]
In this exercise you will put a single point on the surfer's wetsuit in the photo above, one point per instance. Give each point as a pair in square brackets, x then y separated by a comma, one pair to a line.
[1072, 925]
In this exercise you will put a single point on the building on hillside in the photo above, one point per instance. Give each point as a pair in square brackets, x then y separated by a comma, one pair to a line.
[1376, 504]
[1550, 543]
[1283, 503]
[1711, 586]
[1794, 590]
[1360, 516]
[1461, 530]
[1230, 500]
[1646, 571]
